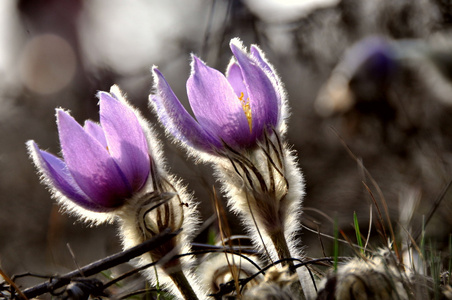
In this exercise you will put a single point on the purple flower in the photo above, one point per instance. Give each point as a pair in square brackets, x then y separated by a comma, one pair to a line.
[236, 109]
[374, 57]
[103, 164]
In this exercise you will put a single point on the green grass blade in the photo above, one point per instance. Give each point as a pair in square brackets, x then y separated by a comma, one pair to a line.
[358, 233]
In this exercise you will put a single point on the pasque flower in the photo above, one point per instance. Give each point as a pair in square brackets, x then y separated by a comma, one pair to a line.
[235, 109]
[114, 170]
[364, 75]
[240, 123]
[104, 164]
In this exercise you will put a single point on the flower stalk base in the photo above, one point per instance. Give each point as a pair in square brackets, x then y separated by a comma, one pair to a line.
[184, 287]
[282, 249]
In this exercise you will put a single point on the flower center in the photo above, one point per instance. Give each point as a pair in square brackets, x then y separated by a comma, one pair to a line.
[246, 108]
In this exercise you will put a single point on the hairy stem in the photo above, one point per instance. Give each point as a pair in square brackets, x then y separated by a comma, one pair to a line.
[183, 285]
[282, 249]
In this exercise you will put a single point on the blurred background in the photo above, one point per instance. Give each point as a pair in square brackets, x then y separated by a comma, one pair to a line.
[369, 85]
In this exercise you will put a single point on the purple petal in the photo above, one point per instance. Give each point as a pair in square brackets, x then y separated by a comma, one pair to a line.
[264, 101]
[373, 55]
[55, 171]
[90, 164]
[216, 105]
[126, 141]
[176, 119]
[257, 54]
[95, 131]
[235, 78]
[114, 89]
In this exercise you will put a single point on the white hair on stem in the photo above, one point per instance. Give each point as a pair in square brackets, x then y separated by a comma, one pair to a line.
[265, 187]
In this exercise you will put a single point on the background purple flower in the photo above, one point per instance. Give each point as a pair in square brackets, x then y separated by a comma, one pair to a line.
[104, 164]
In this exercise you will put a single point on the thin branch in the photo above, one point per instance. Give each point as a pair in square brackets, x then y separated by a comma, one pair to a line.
[433, 209]
[100, 265]
[13, 285]
[380, 216]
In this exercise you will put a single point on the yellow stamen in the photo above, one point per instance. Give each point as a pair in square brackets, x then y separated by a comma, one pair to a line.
[246, 108]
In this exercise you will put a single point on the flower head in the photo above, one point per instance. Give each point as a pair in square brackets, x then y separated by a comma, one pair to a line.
[103, 164]
[235, 109]
[374, 56]
[364, 74]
